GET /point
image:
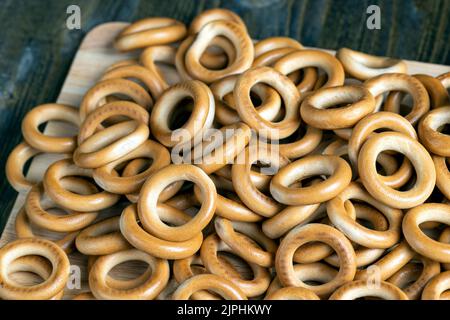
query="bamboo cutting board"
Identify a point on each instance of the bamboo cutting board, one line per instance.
(94, 56)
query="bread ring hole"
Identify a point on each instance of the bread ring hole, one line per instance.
(444, 129)
(181, 113)
(128, 270)
(296, 136)
(70, 129)
(400, 102)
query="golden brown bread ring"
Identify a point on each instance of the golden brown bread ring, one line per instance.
(108, 178)
(416, 154)
(363, 66)
(163, 249)
(247, 241)
(220, 285)
(247, 112)
(315, 232)
(412, 279)
(145, 291)
(226, 110)
(235, 34)
(97, 148)
(149, 32)
(189, 267)
(435, 289)
(147, 204)
(256, 286)
(358, 102)
(313, 58)
(214, 14)
(358, 233)
(52, 286)
(389, 264)
(359, 289)
(437, 92)
(201, 117)
(102, 89)
(336, 169)
(70, 200)
(421, 243)
(366, 128)
(15, 164)
(146, 76)
(37, 204)
(243, 185)
(401, 82)
(435, 141)
(102, 238)
(42, 114)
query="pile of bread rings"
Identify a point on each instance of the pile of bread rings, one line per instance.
(356, 206)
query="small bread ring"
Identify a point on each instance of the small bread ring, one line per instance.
(359, 288)
(435, 289)
(209, 254)
(226, 111)
(313, 58)
(37, 203)
(214, 14)
(366, 128)
(302, 145)
(249, 194)
(201, 118)
(315, 232)
(223, 287)
(53, 285)
(247, 112)
(147, 204)
(146, 291)
(163, 249)
(389, 264)
(226, 144)
(102, 89)
(355, 231)
(338, 170)
(108, 178)
(401, 82)
(70, 200)
(42, 114)
(15, 164)
(438, 94)
(150, 32)
(149, 78)
(102, 238)
(232, 31)
(189, 267)
(245, 239)
(358, 101)
(412, 280)
(416, 154)
(421, 243)
(363, 66)
(435, 141)
(98, 148)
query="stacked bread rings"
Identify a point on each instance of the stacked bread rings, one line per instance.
(263, 172)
